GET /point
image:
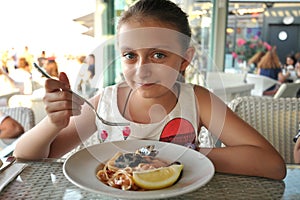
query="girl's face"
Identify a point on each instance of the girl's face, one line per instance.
(289, 61)
(152, 56)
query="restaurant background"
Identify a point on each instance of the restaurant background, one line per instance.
(88, 27)
(217, 25)
(68, 31)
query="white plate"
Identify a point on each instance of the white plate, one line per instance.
(80, 168)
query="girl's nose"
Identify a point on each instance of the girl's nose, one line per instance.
(143, 68)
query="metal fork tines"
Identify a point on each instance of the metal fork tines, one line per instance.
(86, 101)
(97, 115)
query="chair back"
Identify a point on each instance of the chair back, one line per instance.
(261, 83)
(276, 119)
(23, 115)
(288, 90)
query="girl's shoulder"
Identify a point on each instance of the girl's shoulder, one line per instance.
(203, 95)
(198, 89)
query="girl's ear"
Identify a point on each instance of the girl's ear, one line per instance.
(188, 56)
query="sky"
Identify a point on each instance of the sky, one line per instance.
(45, 25)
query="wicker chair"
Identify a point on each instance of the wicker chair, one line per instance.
(276, 119)
(23, 115)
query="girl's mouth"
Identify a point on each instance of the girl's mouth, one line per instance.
(145, 84)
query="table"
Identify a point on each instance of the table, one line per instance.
(261, 83)
(228, 86)
(230, 92)
(45, 180)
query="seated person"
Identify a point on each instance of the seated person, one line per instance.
(254, 60)
(289, 67)
(297, 148)
(297, 67)
(9, 128)
(270, 66)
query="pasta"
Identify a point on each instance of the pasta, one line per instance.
(118, 171)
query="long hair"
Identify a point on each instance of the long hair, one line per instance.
(270, 60)
(256, 58)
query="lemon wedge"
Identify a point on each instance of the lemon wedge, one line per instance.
(157, 178)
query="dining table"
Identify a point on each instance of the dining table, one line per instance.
(44, 179)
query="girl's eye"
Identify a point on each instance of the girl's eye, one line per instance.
(129, 56)
(159, 56)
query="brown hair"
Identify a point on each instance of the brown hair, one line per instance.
(52, 68)
(22, 63)
(256, 58)
(162, 10)
(270, 60)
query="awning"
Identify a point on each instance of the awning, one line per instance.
(87, 21)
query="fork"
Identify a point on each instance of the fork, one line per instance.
(85, 100)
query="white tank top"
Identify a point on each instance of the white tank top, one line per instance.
(179, 126)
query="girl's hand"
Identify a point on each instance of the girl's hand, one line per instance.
(60, 104)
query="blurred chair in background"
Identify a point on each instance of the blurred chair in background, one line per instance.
(34, 102)
(23, 115)
(288, 90)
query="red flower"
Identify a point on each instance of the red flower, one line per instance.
(234, 55)
(245, 49)
(241, 42)
(268, 47)
(252, 46)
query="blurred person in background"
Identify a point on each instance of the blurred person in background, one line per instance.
(270, 66)
(297, 55)
(42, 60)
(4, 59)
(52, 68)
(290, 68)
(297, 68)
(290, 61)
(86, 85)
(9, 128)
(22, 76)
(254, 60)
(80, 79)
(297, 148)
(72, 67)
(28, 56)
(91, 67)
(6, 83)
(86, 74)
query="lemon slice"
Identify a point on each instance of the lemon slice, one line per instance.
(157, 178)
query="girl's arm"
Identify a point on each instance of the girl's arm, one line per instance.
(247, 152)
(64, 127)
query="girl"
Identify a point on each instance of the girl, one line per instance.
(153, 39)
(270, 66)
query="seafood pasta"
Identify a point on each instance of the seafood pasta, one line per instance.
(118, 171)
